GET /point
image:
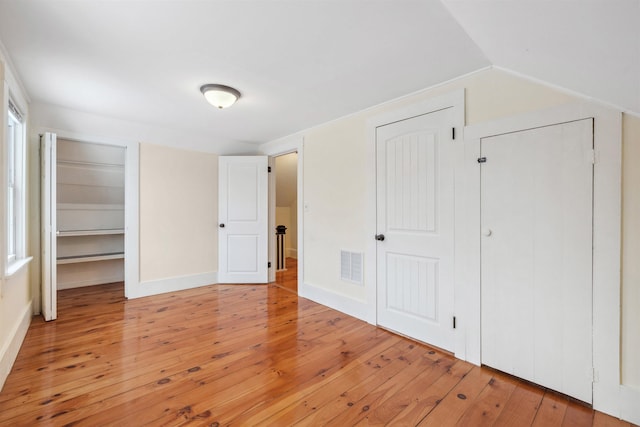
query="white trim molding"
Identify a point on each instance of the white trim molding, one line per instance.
(173, 284)
(455, 100)
(132, 203)
(292, 144)
(345, 304)
(606, 238)
(9, 353)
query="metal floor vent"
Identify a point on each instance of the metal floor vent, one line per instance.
(351, 266)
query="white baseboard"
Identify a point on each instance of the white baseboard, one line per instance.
(172, 284)
(345, 304)
(10, 350)
(630, 404)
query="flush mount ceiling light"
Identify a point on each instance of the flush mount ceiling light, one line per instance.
(220, 96)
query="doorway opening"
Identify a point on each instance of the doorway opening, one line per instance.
(285, 218)
(86, 229)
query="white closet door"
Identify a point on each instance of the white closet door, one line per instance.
(415, 214)
(536, 255)
(242, 218)
(48, 226)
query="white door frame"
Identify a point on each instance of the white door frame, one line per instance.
(48, 244)
(455, 100)
(275, 149)
(131, 213)
(606, 239)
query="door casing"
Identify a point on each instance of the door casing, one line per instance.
(131, 220)
(290, 145)
(453, 100)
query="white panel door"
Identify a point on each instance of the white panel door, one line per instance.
(415, 195)
(536, 255)
(242, 218)
(48, 227)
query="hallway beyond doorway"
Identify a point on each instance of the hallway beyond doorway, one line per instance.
(288, 278)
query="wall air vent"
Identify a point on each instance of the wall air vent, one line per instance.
(351, 266)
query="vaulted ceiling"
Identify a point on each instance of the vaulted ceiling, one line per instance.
(299, 63)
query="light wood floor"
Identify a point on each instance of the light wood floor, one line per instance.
(288, 278)
(251, 355)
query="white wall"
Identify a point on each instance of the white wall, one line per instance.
(15, 290)
(630, 251)
(178, 213)
(336, 174)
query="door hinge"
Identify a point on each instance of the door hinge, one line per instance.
(453, 133)
(269, 169)
(454, 322)
(269, 264)
(591, 156)
(482, 160)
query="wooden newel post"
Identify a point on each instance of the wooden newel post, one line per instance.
(280, 232)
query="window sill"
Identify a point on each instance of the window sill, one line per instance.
(16, 266)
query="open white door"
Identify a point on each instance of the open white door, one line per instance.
(48, 226)
(243, 219)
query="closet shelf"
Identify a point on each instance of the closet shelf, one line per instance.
(90, 258)
(89, 207)
(103, 232)
(86, 164)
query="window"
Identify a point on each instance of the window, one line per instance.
(15, 188)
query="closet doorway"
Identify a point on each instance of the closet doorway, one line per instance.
(85, 227)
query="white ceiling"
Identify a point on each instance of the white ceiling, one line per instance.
(588, 46)
(300, 63)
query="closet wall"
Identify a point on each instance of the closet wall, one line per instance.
(90, 214)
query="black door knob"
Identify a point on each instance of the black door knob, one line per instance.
(221, 225)
(380, 237)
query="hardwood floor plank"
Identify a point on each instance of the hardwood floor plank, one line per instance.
(166, 348)
(223, 355)
(604, 420)
(490, 402)
(456, 401)
(577, 415)
(409, 394)
(283, 376)
(250, 355)
(551, 411)
(300, 403)
(522, 406)
(376, 396)
(288, 279)
(228, 378)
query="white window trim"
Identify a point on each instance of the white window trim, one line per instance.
(18, 260)
(17, 266)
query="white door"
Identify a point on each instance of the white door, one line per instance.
(48, 226)
(536, 255)
(415, 195)
(243, 219)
